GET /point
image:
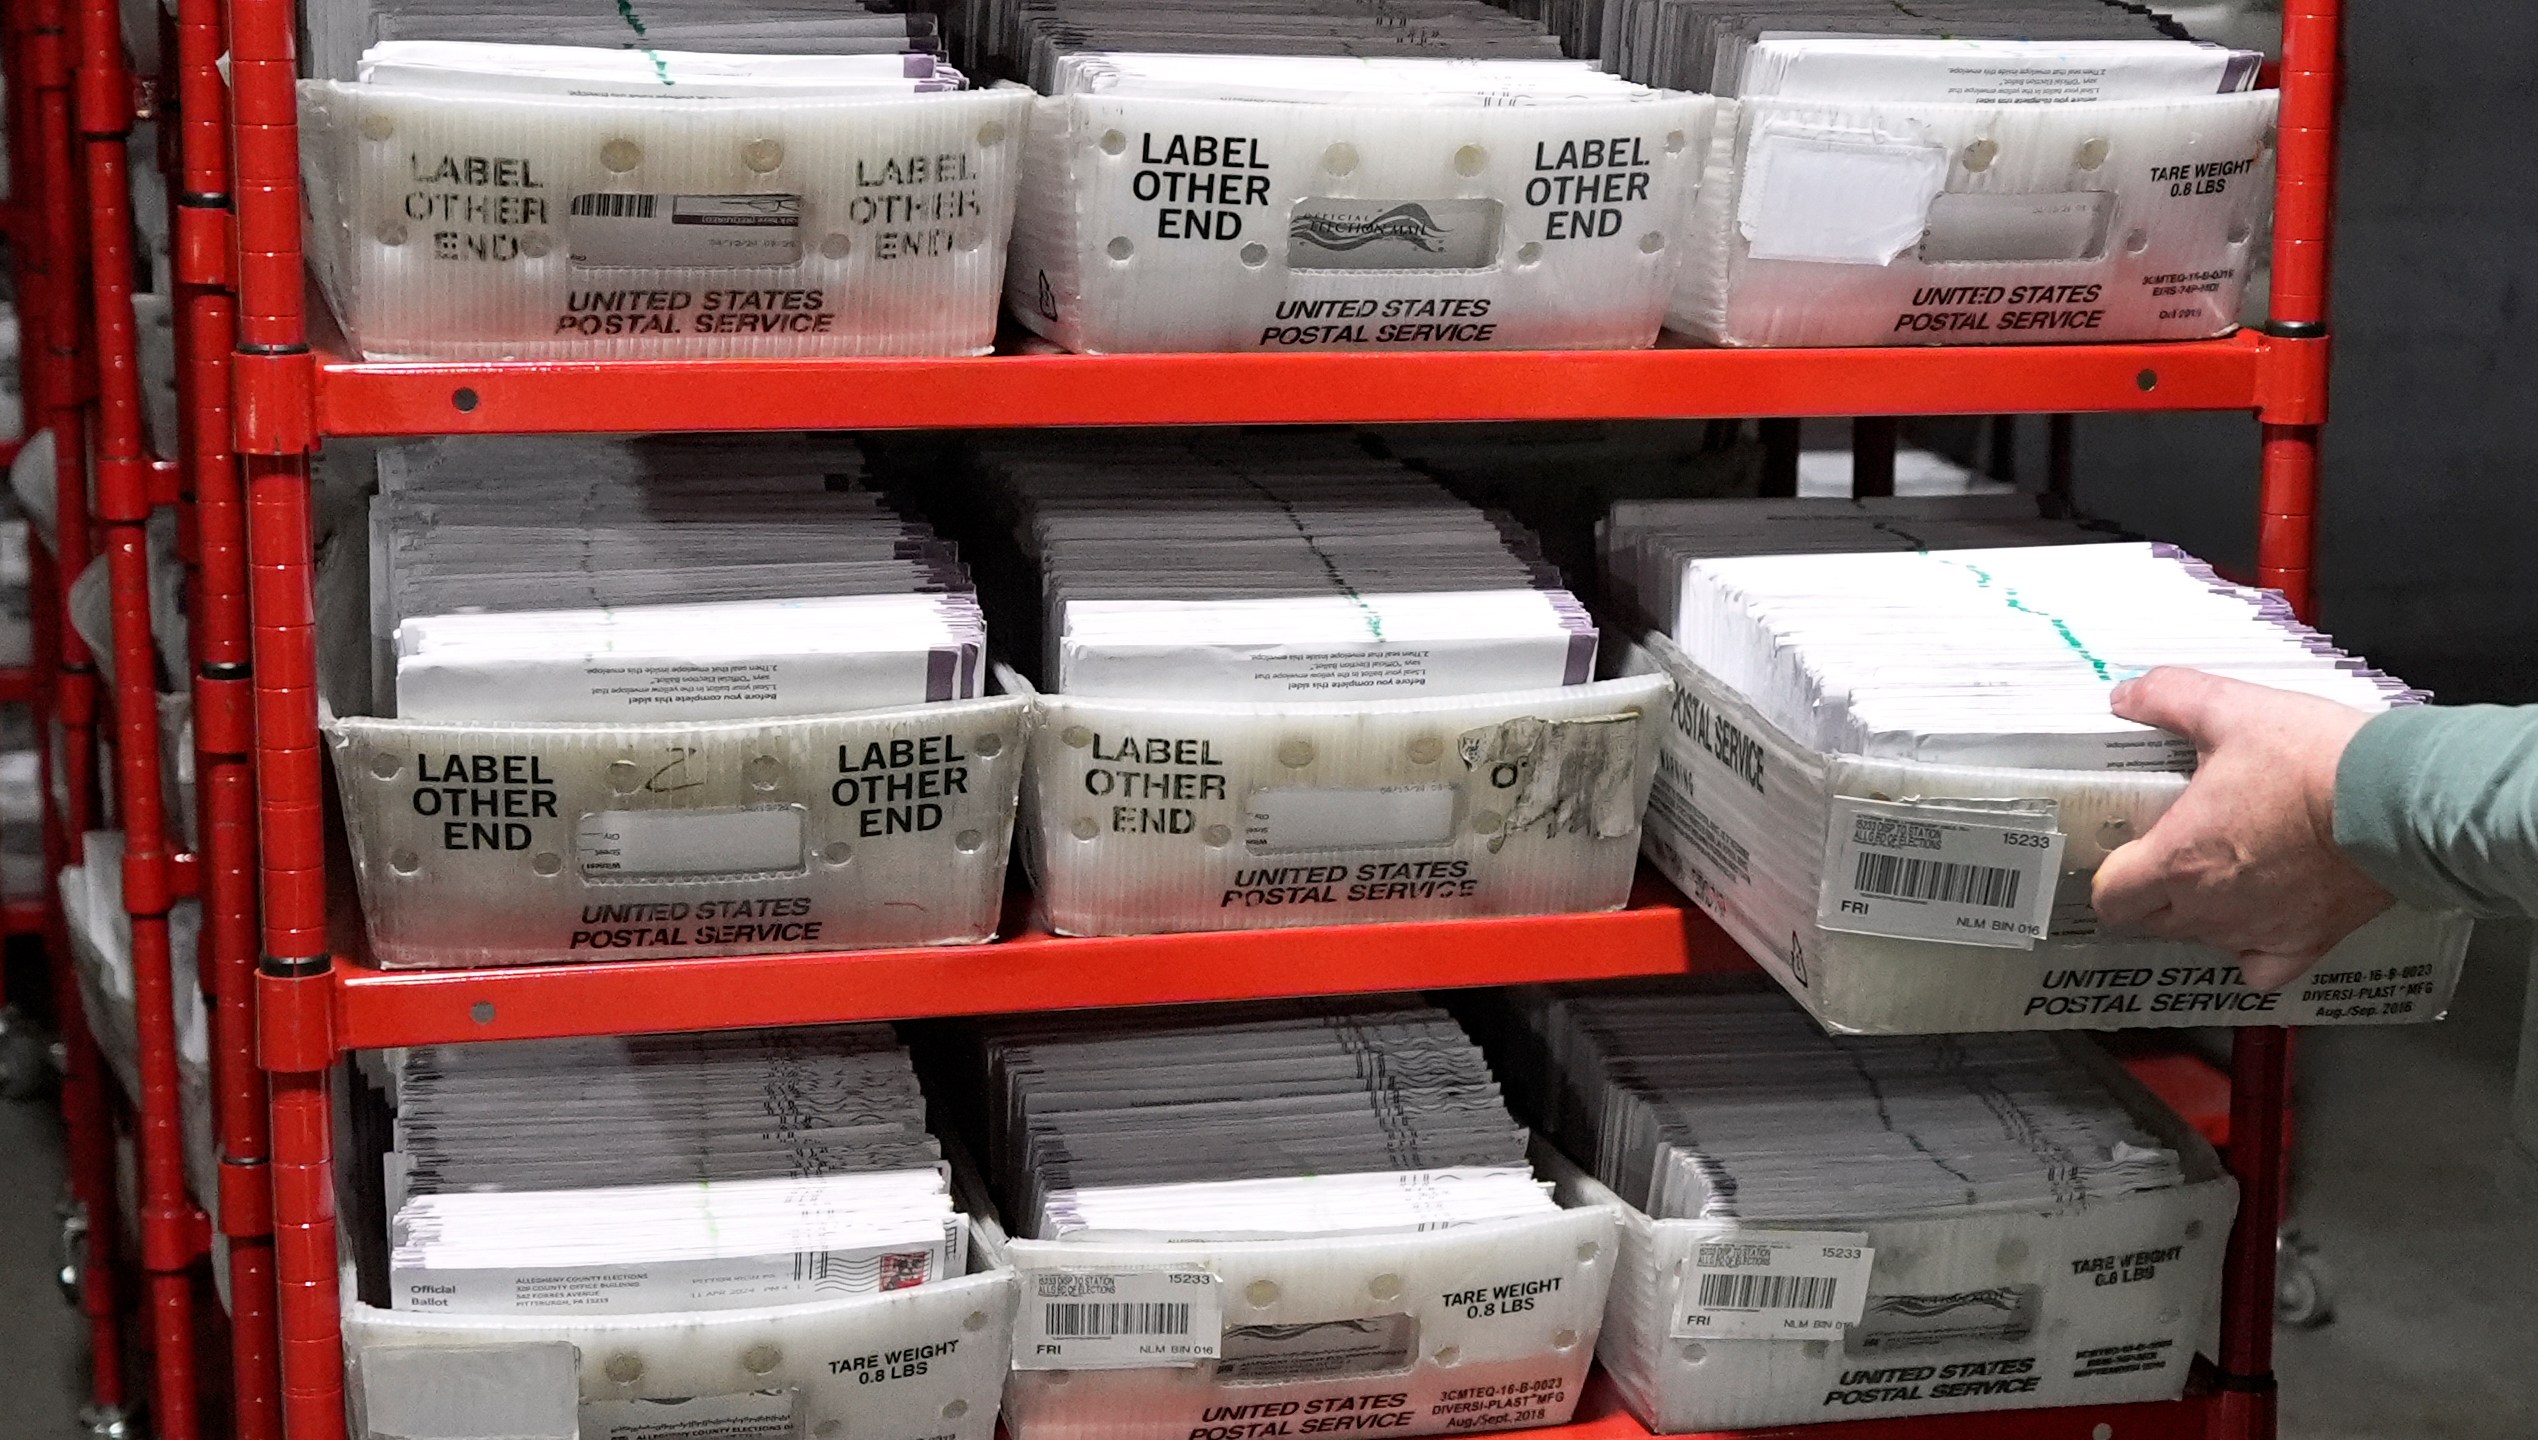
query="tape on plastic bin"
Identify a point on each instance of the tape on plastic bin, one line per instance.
(1144, 816)
(488, 845)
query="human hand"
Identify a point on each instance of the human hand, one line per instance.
(2246, 859)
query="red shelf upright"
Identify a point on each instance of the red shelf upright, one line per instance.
(47, 244)
(312, 1008)
(203, 265)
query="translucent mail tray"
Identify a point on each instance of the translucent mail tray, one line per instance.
(478, 226)
(919, 1364)
(101, 953)
(1142, 816)
(1742, 819)
(1920, 222)
(2106, 1303)
(1483, 1327)
(1166, 224)
(509, 844)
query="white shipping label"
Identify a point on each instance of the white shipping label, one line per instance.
(682, 844)
(1772, 1284)
(1837, 196)
(749, 1415)
(1118, 1319)
(609, 229)
(1299, 818)
(1961, 873)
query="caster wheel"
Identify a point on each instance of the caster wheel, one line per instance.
(107, 1422)
(2302, 1298)
(74, 1255)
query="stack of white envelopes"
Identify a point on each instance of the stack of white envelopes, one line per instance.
(1818, 49)
(658, 581)
(1999, 657)
(1644, 545)
(664, 1174)
(1211, 571)
(1738, 1107)
(1272, 1123)
(339, 34)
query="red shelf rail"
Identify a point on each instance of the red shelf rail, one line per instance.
(313, 1007)
(354, 397)
(362, 1008)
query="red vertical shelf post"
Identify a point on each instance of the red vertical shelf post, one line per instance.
(272, 377)
(56, 386)
(203, 241)
(2292, 386)
(171, 1230)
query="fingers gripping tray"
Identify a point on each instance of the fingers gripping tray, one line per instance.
(1777, 842)
(925, 1363)
(1143, 816)
(501, 844)
(1483, 1327)
(1904, 223)
(488, 227)
(2096, 1304)
(1161, 224)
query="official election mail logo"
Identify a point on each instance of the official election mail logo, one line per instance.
(1409, 224)
(1336, 234)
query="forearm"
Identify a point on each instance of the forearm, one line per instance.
(2440, 805)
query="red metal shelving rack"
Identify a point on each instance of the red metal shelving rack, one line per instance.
(312, 1006)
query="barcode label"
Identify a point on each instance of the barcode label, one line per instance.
(1993, 887)
(613, 229)
(1745, 1284)
(1767, 1292)
(617, 206)
(1964, 872)
(1075, 1318)
(1090, 1319)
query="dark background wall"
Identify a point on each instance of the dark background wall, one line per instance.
(2429, 545)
